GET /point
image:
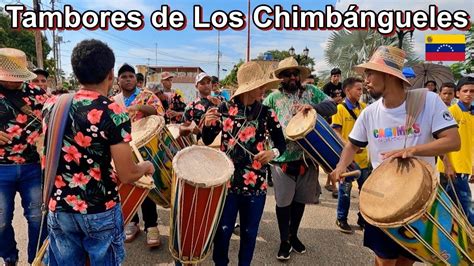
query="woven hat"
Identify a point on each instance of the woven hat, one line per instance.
(166, 75)
(386, 59)
(291, 63)
(14, 66)
(251, 76)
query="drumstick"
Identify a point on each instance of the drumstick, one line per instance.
(351, 173)
(139, 158)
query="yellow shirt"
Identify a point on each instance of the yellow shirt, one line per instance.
(343, 120)
(462, 159)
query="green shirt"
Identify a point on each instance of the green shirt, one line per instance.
(283, 104)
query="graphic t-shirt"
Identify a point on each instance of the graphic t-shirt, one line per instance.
(383, 129)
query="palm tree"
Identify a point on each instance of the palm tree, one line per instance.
(346, 49)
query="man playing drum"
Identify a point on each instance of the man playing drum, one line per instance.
(381, 127)
(295, 178)
(244, 123)
(139, 103)
(85, 216)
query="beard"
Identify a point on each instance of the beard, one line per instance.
(375, 95)
(291, 86)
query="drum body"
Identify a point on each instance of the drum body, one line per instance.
(182, 142)
(156, 145)
(133, 195)
(202, 175)
(405, 200)
(317, 138)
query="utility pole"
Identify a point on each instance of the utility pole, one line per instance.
(249, 24)
(55, 53)
(156, 54)
(38, 38)
(218, 53)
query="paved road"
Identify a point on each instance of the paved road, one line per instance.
(325, 244)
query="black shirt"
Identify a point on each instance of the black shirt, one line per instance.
(332, 90)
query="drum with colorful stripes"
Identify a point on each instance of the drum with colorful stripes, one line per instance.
(202, 175)
(317, 138)
(403, 198)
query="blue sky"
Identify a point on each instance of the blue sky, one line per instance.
(199, 48)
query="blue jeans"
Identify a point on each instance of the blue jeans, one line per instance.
(344, 199)
(25, 179)
(72, 236)
(461, 186)
(250, 209)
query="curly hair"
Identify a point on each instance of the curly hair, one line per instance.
(91, 61)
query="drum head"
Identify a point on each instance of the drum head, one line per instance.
(147, 128)
(300, 125)
(203, 166)
(398, 191)
(174, 130)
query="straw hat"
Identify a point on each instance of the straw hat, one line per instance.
(14, 66)
(251, 76)
(291, 63)
(386, 59)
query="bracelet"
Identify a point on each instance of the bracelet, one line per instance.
(276, 152)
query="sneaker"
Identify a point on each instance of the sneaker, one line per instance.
(344, 227)
(335, 195)
(153, 237)
(285, 250)
(297, 245)
(328, 188)
(131, 232)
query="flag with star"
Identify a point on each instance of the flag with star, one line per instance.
(445, 47)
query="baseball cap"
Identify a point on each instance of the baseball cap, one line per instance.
(166, 75)
(126, 68)
(200, 77)
(335, 71)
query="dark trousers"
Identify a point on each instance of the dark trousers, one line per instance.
(150, 215)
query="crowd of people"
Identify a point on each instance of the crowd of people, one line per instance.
(84, 216)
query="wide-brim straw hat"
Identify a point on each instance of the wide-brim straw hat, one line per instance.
(14, 66)
(291, 63)
(251, 76)
(386, 59)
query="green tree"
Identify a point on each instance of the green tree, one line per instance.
(346, 49)
(469, 62)
(457, 69)
(279, 55)
(231, 79)
(20, 39)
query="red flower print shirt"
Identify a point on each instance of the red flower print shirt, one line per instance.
(24, 129)
(245, 130)
(85, 181)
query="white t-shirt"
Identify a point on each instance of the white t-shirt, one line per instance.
(383, 129)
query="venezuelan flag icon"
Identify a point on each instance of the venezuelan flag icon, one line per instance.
(445, 47)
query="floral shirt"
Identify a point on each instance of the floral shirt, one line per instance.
(24, 129)
(196, 109)
(146, 97)
(175, 103)
(85, 181)
(284, 105)
(246, 127)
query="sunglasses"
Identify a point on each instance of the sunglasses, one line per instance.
(288, 74)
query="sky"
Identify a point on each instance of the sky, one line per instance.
(190, 47)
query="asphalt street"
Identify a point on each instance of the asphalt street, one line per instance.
(325, 244)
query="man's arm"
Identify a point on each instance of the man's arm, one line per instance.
(127, 170)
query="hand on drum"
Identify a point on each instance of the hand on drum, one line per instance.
(265, 157)
(4, 138)
(211, 116)
(305, 108)
(148, 166)
(402, 153)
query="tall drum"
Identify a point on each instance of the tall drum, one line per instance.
(403, 198)
(201, 178)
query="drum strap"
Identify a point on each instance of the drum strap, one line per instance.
(414, 105)
(56, 127)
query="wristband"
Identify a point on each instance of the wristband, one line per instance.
(276, 152)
